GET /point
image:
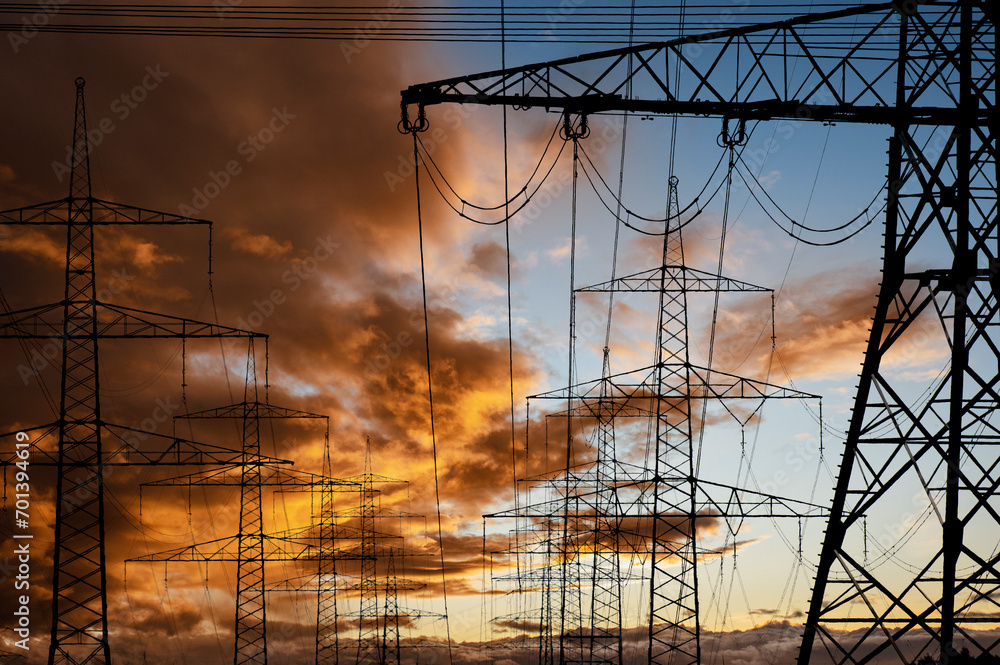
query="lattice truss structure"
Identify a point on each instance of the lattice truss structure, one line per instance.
(618, 523)
(87, 443)
(337, 541)
(926, 72)
(251, 547)
(367, 541)
(358, 550)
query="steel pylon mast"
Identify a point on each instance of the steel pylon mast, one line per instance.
(647, 515)
(251, 624)
(251, 547)
(927, 72)
(674, 622)
(79, 578)
(87, 443)
(942, 444)
(377, 586)
(326, 574)
(378, 628)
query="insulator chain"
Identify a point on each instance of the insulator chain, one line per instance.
(407, 127)
(727, 140)
(570, 132)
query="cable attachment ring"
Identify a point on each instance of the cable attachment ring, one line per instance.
(407, 127)
(727, 140)
(570, 132)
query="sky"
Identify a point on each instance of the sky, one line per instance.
(290, 148)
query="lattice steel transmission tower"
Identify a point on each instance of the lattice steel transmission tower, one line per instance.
(378, 641)
(613, 510)
(87, 443)
(252, 547)
(926, 71)
(352, 538)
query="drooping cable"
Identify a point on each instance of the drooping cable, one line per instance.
(625, 222)
(715, 308)
(507, 198)
(430, 396)
(812, 191)
(800, 225)
(510, 308)
(631, 213)
(606, 362)
(791, 233)
(460, 211)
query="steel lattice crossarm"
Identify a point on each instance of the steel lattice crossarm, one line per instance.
(264, 410)
(270, 476)
(743, 72)
(600, 405)
(111, 322)
(585, 475)
(340, 532)
(313, 547)
(349, 583)
(175, 451)
(709, 383)
(927, 72)
(674, 278)
(529, 616)
(382, 512)
(103, 213)
(542, 575)
(721, 501)
(227, 549)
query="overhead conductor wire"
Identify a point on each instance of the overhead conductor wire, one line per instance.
(715, 308)
(510, 309)
(569, 391)
(606, 361)
(606, 369)
(430, 395)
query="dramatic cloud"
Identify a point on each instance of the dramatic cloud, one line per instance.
(329, 273)
(290, 148)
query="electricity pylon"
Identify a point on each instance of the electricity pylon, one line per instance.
(927, 72)
(251, 547)
(647, 514)
(87, 443)
(352, 535)
(378, 628)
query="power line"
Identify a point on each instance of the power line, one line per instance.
(609, 23)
